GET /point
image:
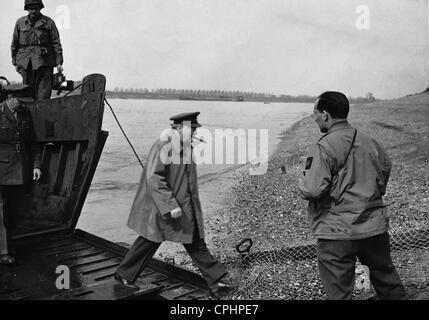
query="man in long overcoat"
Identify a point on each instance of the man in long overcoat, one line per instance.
(19, 153)
(167, 208)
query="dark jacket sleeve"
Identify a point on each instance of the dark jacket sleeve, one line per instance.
(15, 43)
(156, 175)
(318, 178)
(56, 44)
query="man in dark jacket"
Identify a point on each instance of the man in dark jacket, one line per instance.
(345, 180)
(36, 49)
(19, 153)
(167, 208)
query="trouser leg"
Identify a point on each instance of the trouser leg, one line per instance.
(374, 252)
(43, 83)
(337, 260)
(137, 259)
(29, 78)
(211, 269)
(3, 232)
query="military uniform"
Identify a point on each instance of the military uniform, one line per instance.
(163, 188)
(19, 153)
(37, 49)
(345, 180)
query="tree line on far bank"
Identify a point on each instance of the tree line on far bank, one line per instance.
(217, 95)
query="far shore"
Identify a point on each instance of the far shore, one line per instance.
(266, 99)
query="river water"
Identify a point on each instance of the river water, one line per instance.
(118, 173)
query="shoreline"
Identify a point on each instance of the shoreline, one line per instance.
(246, 191)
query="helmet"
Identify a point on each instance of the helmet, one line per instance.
(33, 2)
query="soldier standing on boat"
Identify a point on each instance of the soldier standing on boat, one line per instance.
(36, 49)
(19, 153)
(167, 208)
(345, 180)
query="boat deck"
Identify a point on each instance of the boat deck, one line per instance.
(92, 262)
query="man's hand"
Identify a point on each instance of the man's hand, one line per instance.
(176, 213)
(60, 68)
(37, 174)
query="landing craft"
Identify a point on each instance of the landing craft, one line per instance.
(45, 239)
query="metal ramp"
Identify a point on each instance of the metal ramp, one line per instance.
(92, 262)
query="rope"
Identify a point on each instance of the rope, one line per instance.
(117, 121)
(123, 132)
(74, 89)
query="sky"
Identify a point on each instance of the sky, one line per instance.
(277, 46)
